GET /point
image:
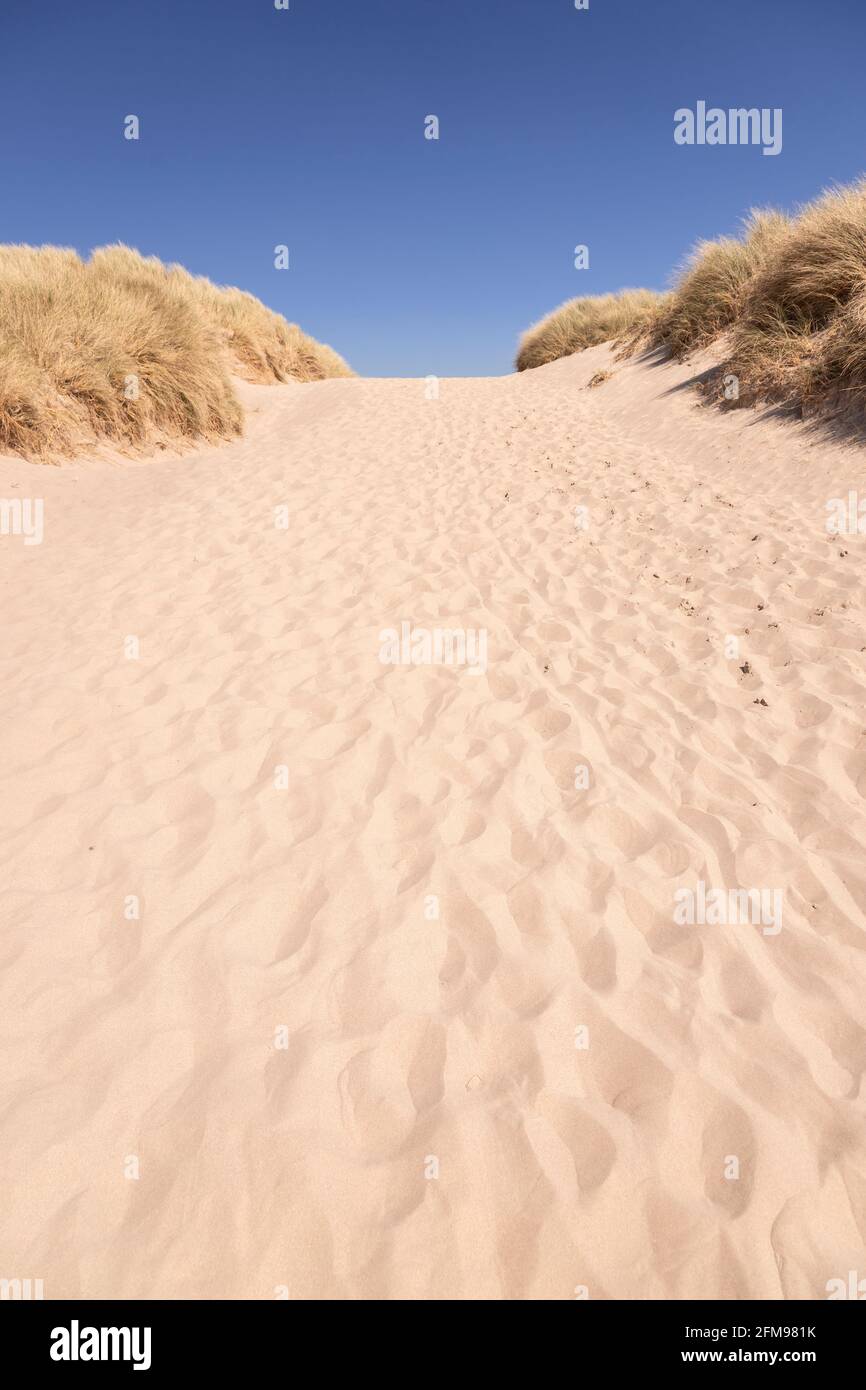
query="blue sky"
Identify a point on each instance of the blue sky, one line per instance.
(306, 127)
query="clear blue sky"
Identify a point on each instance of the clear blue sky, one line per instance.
(306, 127)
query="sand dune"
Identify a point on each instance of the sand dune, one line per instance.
(278, 1071)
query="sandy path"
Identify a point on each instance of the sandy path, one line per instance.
(154, 1043)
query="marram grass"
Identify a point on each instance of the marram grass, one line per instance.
(785, 300)
(123, 348)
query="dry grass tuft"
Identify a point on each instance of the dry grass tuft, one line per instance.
(799, 338)
(788, 296)
(581, 323)
(124, 348)
(708, 296)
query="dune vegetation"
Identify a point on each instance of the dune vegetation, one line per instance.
(123, 348)
(582, 323)
(800, 337)
(709, 292)
(784, 302)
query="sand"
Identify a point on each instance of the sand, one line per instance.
(243, 1055)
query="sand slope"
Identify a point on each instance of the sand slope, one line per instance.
(302, 1168)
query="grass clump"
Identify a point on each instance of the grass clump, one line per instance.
(123, 348)
(708, 296)
(799, 337)
(582, 323)
(787, 297)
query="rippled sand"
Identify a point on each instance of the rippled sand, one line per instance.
(243, 1055)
